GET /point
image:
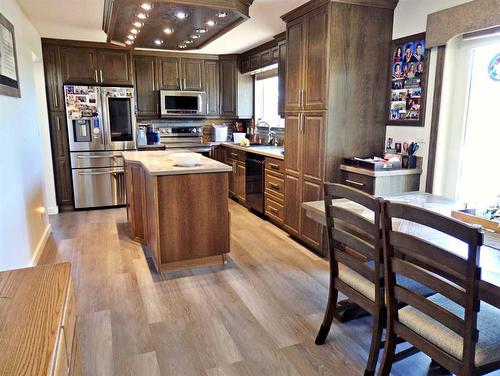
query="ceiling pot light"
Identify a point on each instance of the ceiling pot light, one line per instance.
(158, 42)
(194, 36)
(211, 23)
(181, 15)
(147, 6)
(201, 30)
(168, 30)
(221, 14)
(138, 24)
(142, 16)
(131, 37)
(189, 41)
(182, 45)
(129, 42)
(134, 31)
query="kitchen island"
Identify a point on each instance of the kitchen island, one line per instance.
(181, 214)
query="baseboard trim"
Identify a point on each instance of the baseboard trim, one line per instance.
(53, 210)
(41, 245)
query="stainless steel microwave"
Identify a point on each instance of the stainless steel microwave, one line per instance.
(186, 103)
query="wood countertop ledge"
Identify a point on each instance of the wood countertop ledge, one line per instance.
(31, 305)
(159, 163)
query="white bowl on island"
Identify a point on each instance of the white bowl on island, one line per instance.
(186, 159)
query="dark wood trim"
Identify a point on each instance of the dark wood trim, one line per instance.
(265, 46)
(158, 53)
(84, 44)
(228, 28)
(436, 112)
(280, 37)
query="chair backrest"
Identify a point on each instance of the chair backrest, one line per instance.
(354, 239)
(434, 266)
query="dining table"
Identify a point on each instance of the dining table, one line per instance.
(489, 287)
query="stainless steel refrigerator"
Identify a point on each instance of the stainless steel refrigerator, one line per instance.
(101, 124)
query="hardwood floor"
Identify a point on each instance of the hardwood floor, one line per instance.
(258, 315)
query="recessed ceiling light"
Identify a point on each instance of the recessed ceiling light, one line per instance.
(221, 14)
(188, 41)
(201, 30)
(194, 36)
(147, 6)
(168, 30)
(182, 45)
(134, 31)
(129, 42)
(142, 16)
(138, 24)
(181, 15)
(158, 42)
(211, 22)
(131, 37)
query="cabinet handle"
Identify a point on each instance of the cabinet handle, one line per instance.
(56, 100)
(273, 209)
(274, 186)
(96, 76)
(354, 183)
(102, 79)
(300, 96)
(274, 166)
(184, 80)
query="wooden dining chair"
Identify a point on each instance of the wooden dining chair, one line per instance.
(452, 326)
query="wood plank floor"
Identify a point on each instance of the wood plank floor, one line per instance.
(258, 315)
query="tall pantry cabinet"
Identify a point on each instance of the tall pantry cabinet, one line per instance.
(335, 102)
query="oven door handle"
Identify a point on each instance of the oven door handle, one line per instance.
(101, 173)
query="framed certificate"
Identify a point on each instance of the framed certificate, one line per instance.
(9, 74)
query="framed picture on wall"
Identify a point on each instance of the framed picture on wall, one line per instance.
(408, 65)
(9, 74)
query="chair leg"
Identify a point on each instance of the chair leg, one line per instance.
(329, 314)
(389, 352)
(378, 327)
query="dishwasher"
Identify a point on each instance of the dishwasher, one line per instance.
(254, 182)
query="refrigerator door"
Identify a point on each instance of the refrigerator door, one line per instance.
(96, 187)
(84, 120)
(119, 117)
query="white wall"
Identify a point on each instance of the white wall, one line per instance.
(410, 18)
(24, 225)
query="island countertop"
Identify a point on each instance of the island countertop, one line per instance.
(159, 163)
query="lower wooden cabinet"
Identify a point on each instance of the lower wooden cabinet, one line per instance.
(61, 158)
(292, 204)
(310, 231)
(136, 202)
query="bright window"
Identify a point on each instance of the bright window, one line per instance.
(479, 179)
(266, 101)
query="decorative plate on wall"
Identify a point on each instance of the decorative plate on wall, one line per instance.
(494, 68)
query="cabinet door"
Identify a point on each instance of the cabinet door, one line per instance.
(292, 204)
(192, 72)
(292, 143)
(232, 176)
(315, 80)
(79, 65)
(170, 73)
(281, 79)
(228, 82)
(60, 158)
(136, 202)
(212, 87)
(313, 146)
(310, 231)
(240, 188)
(265, 58)
(147, 96)
(114, 67)
(295, 65)
(53, 79)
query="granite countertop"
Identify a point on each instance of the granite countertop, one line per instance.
(265, 150)
(159, 163)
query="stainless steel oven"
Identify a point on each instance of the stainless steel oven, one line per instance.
(182, 103)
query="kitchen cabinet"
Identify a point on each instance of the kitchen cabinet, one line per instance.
(53, 78)
(192, 71)
(325, 119)
(237, 179)
(170, 73)
(281, 77)
(260, 57)
(146, 88)
(274, 191)
(60, 158)
(90, 66)
(212, 86)
(236, 89)
(240, 182)
(136, 202)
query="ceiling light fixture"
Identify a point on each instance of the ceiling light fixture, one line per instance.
(221, 14)
(129, 42)
(138, 24)
(147, 6)
(158, 42)
(168, 30)
(182, 45)
(211, 23)
(201, 30)
(134, 31)
(142, 16)
(131, 37)
(181, 15)
(194, 36)
(188, 41)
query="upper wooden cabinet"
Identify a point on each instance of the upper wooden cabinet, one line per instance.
(236, 89)
(90, 66)
(192, 72)
(212, 87)
(295, 65)
(146, 87)
(281, 77)
(53, 79)
(259, 57)
(170, 73)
